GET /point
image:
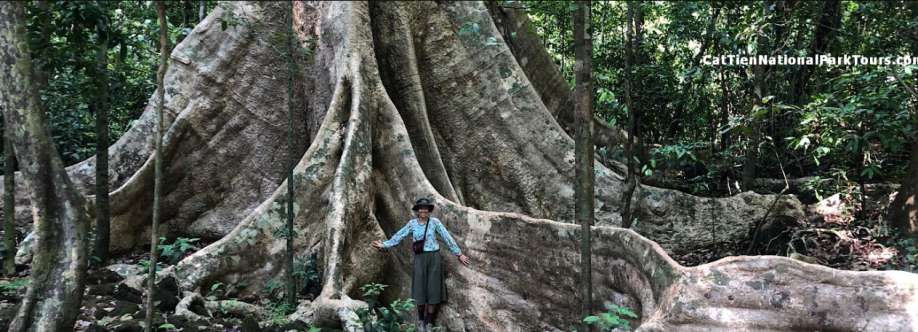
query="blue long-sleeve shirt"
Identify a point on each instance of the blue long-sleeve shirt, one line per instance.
(417, 232)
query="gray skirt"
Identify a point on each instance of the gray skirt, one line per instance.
(427, 285)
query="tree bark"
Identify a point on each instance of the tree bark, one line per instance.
(52, 300)
(583, 146)
(903, 211)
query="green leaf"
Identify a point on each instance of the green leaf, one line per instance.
(591, 320)
(624, 311)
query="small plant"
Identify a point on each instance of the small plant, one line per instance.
(908, 251)
(307, 275)
(278, 311)
(615, 318)
(378, 318)
(145, 265)
(273, 288)
(167, 327)
(177, 250)
(218, 288)
(229, 19)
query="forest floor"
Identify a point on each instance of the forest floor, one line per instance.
(836, 233)
(113, 300)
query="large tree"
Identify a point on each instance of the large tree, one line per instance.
(410, 99)
(61, 220)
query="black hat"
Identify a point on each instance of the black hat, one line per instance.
(422, 202)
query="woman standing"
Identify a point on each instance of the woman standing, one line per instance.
(427, 287)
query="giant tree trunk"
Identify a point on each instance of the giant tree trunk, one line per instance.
(223, 125)
(52, 300)
(407, 99)
(903, 211)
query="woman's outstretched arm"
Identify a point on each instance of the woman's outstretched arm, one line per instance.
(453, 246)
(398, 236)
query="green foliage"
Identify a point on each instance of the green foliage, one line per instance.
(469, 29)
(907, 248)
(278, 311)
(64, 38)
(306, 272)
(854, 118)
(229, 19)
(167, 327)
(379, 318)
(616, 317)
(12, 287)
(176, 250)
(215, 291)
(145, 265)
(273, 288)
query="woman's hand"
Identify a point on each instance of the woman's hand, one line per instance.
(378, 244)
(464, 260)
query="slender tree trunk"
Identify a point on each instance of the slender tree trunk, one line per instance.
(43, 43)
(291, 162)
(53, 298)
(9, 201)
(158, 169)
(632, 113)
(103, 211)
(637, 86)
(761, 91)
(584, 148)
(825, 29)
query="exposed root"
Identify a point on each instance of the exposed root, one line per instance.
(192, 307)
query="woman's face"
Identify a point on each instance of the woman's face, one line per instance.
(423, 212)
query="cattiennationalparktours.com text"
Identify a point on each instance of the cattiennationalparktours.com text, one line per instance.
(816, 60)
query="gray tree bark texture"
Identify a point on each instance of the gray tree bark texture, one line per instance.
(409, 99)
(61, 218)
